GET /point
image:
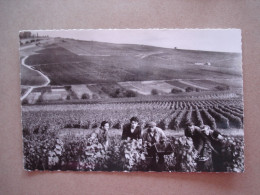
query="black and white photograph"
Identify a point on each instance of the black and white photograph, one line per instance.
(163, 100)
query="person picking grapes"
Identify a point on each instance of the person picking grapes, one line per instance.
(153, 135)
(132, 130)
(215, 142)
(102, 134)
(194, 132)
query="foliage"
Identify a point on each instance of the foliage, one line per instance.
(185, 155)
(222, 88)
(168, 115)
(234, 121)
(154, 92)
(233, 154)
(25, 101)
(85, 96)
(189, 89)
(41, 152)
(134, 155)
(45, 149)
(211, 121)
(223, 122)
(83, 153)
(176, 90)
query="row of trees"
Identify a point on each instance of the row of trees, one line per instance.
(193, 89)
(28, 34)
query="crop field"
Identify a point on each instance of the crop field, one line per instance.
(85, 62)
(232, 83)
(87, 82)
(212, 84)
(178, 84)
(145, 87)
(141, 88)
(209, 84)
(218, 114)
(57, 137)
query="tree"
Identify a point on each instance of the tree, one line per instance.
(130, 93)
(154, 92)
(222, 88)
(176, 90)
(25, 34)
(67, 87)
(25, 101)
(189, 89)
(85, 96)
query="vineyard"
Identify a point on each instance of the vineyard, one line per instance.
(49, 152)
(218, 114)
(94, 81)
(45, 148)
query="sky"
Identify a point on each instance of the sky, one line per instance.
(224, 40)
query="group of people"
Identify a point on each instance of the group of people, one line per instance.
(152, 134)
(208, 143)
(204, 139)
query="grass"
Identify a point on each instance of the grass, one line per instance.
(85, 62)
(31, 77)
(178, 84)
(210, 84)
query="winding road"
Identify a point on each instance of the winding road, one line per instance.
(37, 86)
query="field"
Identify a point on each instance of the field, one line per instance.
(119, 70)
(87, 82)
(62, 131)
(220, 114)
(83, 62)
(31, 77)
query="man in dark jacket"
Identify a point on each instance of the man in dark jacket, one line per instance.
(196, 135)
(132, 130)
(216, 140)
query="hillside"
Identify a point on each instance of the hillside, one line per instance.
(67, 62)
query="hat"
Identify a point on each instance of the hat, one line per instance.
(151, 124)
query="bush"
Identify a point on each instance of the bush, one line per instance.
(163, 124)
(121, 93)
(185, 155)
(67, 87)
(222, 88)
(25, 101)
(176, 91)
(130, 93)
(48, 151)
(85, 96)
(189, 89)
(154, 92)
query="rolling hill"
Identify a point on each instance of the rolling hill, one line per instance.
(68, 61)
